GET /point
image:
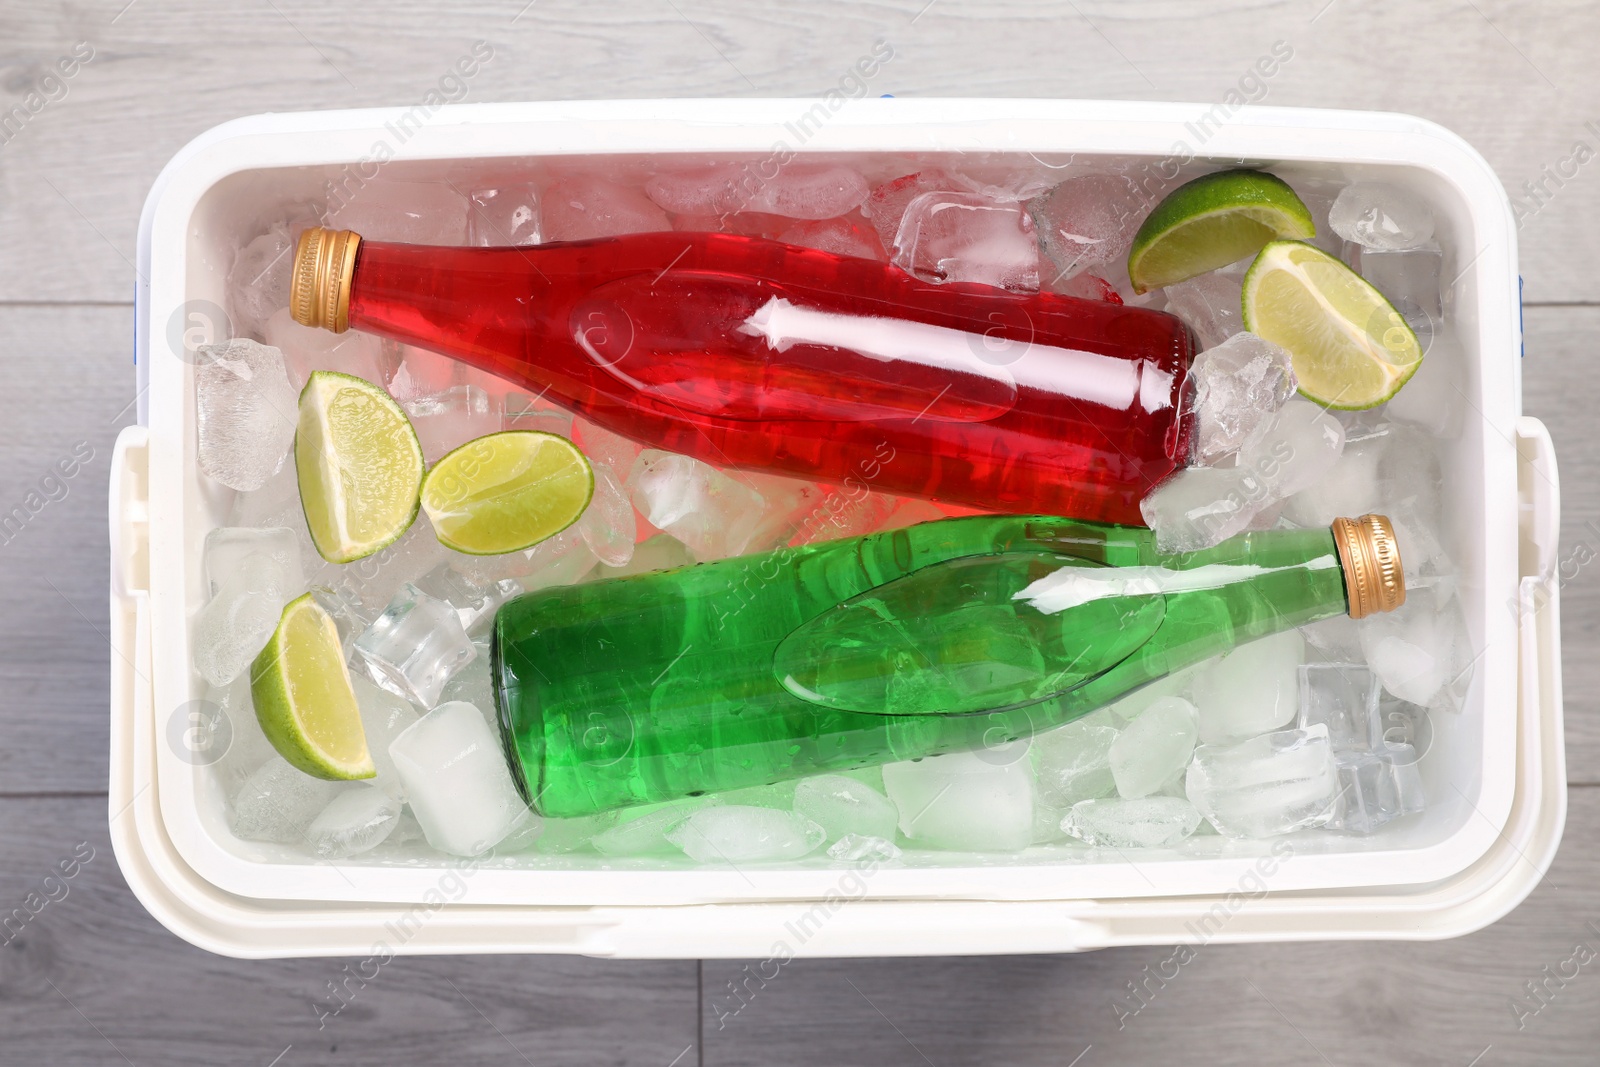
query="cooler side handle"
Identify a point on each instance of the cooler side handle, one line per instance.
(130, 513)
(1538, 500)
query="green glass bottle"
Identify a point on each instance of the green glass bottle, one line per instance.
(948, 635)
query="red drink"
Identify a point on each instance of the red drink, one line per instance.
(750, 353)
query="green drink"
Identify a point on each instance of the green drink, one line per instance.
(949, 635)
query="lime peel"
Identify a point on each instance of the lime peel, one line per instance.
(507, 491)
(1212, 221)
(359, 466)
(1351, 349)
(303, 698)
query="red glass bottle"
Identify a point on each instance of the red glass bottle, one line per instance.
(751, 353)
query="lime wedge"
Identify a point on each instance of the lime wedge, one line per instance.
(1351, 349)
(304, 702)
(507, 491)
(359, 465)
(1211, 222)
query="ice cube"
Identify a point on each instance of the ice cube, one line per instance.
(1336, 638)
(1198, 507)
(505, 215)
(1434, 399)
(245, 411)
(306, 349)
(456, 780)
(474, 685)
(778, 795)
(965, 237)
(1086, 287)
(1143, 822)
(843, 806)
(577, 209)
(796, 191)
(277, 803)
(1154, 748)
(885, 206)
(843, 236)
(604, 447)
(1073, 763)
(562, 836)
(1177, 684)
(1405, 723)
(663, 552)
(1350, 488)
(712, 514)
(236, 623)
(607, 524)
(525, 412)
(247, 748)
(418, 213)
(1250, 689)
(1379, 215)
(1344, 698)
(446, 421)
(643, 831)
(1210, 304)
(1265, 786)
(227, 547)
(1413, 281)
(854, 848)
(275, 503)
(258, 281)
(384, 717)
(474, 597)
(910, 512)
(422, 372)
(1376, 787)
(843, 514)
(704, 191)
(1239, 384)
(738, 833)
(964, 800)
(810, 191)
(558, 560)
(415, 646)
(369, 585)
(1088, 221)
(1419, 651)
(525, 833)
(788, 503)
(358, 819)
(350, 616)
(1293, 449)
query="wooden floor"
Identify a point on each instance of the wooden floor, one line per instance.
(95, 980)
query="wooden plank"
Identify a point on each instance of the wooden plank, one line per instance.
(92, 978)
(1558, 375)
(69, 378)
(1425, 1002)
(1513, 81)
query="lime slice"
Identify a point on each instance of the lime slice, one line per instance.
(359, 465)
(1211, 222)
(304, 702)
(1351, 349)
(507, 491)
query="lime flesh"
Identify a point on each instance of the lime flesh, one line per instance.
(359, 466)
(507, 491)
(303, 697)
(1213, 221)
(1351, 349)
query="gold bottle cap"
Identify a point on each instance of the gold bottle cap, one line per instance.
(1373, 580)
(319, 284)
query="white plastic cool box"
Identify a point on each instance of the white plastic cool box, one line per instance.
(1494, 773)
